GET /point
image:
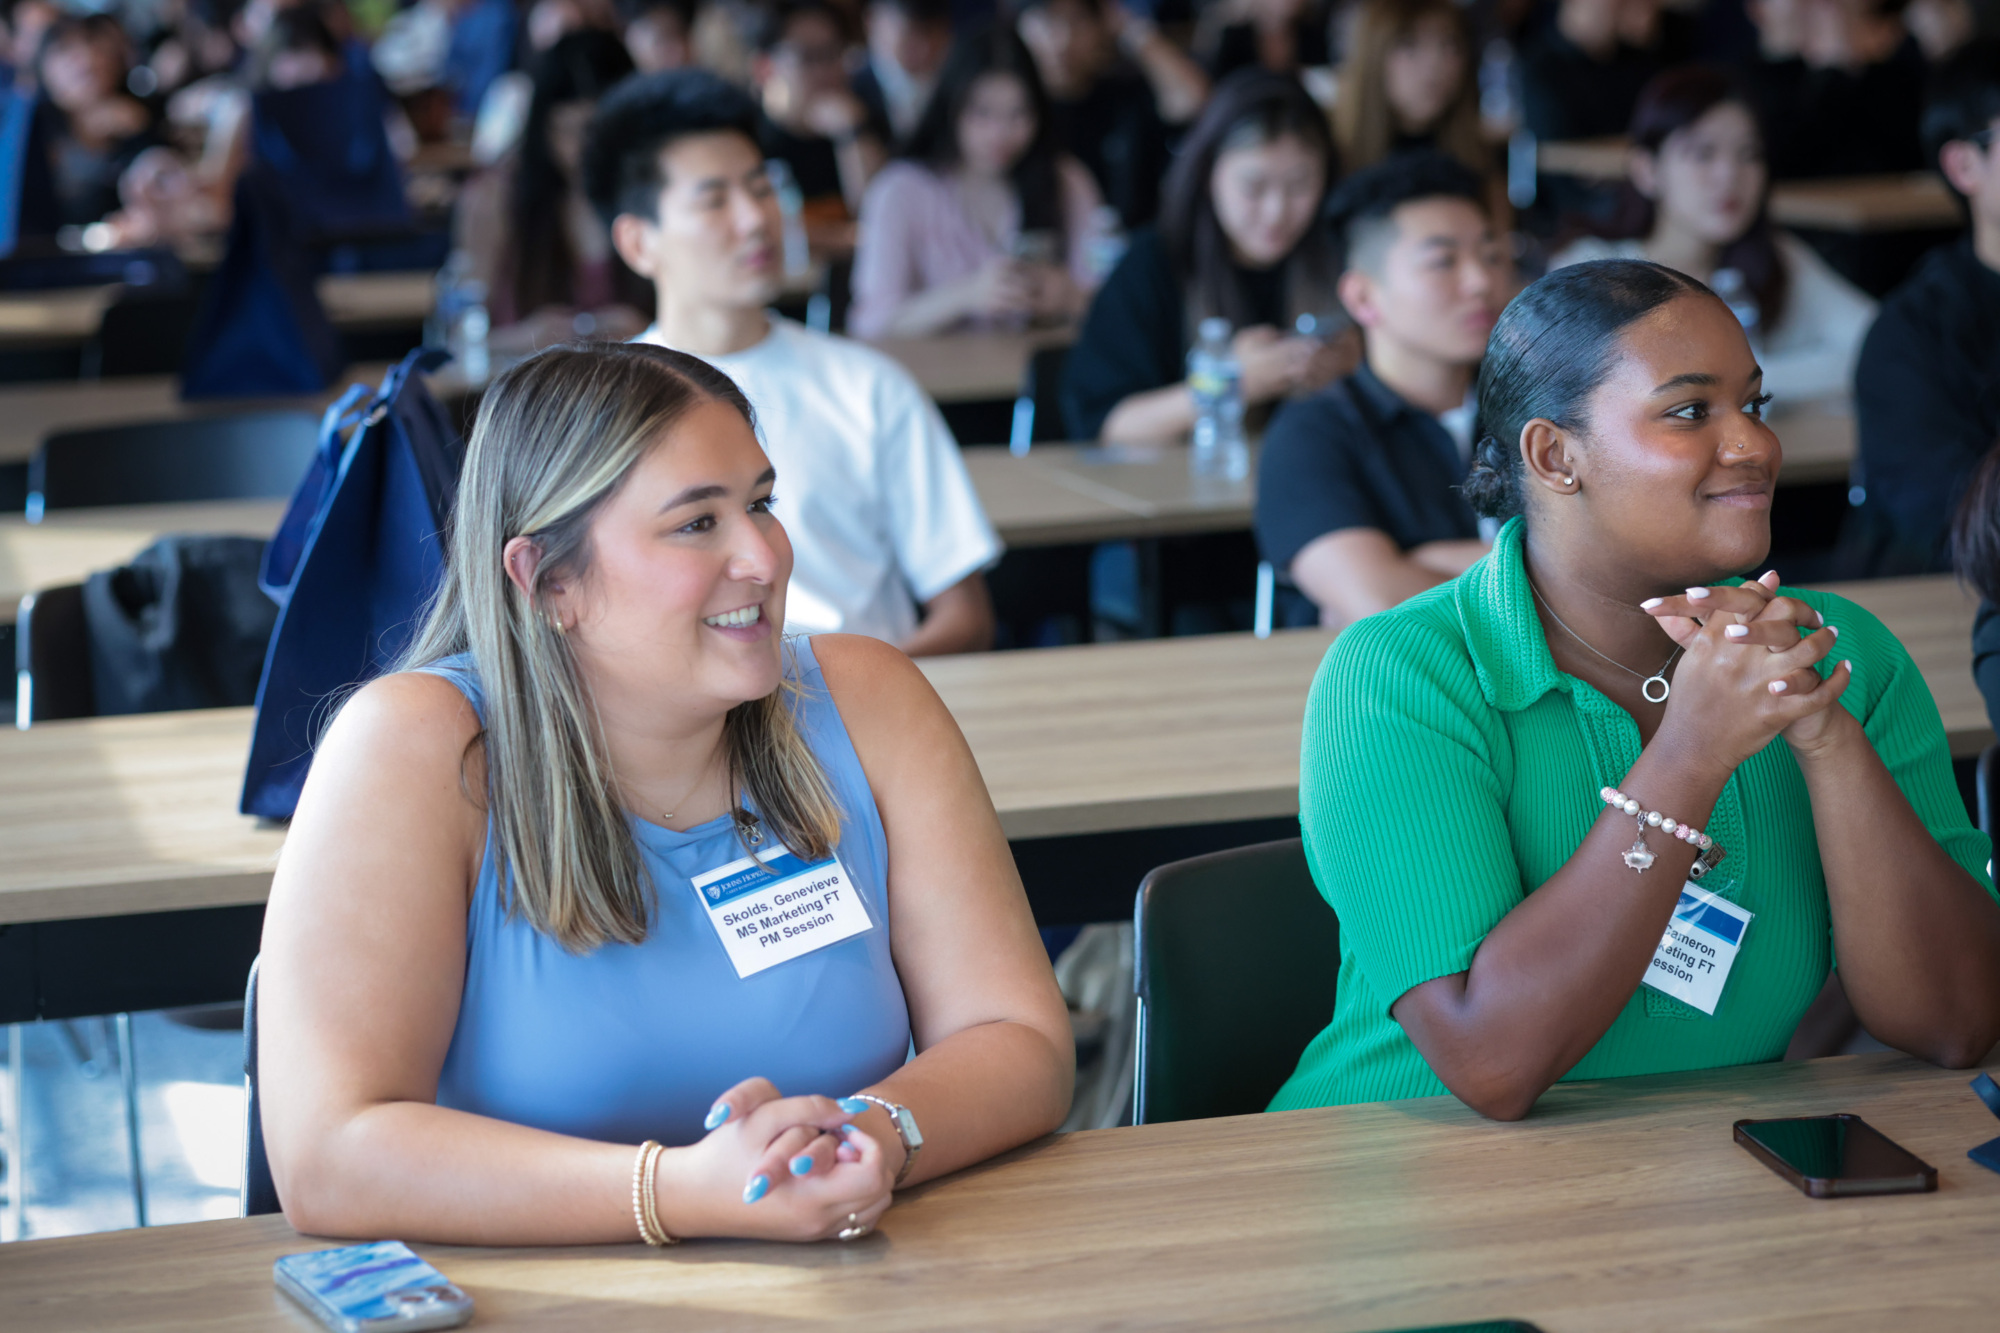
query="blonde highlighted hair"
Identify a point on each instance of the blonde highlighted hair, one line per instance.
(557, 436)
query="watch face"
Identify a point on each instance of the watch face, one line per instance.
(907, 1123)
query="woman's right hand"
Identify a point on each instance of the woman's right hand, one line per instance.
(774, 1168)
(1745, 674)
(1273, 363)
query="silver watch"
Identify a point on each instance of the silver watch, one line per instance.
(906, 1130)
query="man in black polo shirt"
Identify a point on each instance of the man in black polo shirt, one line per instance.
(1357, 492)
(1927, 386)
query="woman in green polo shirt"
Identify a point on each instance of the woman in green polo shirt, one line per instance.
(1501, 777)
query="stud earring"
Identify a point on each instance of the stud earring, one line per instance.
(555, 623)
(1569, 481)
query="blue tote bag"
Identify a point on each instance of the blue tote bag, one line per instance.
(352, 567)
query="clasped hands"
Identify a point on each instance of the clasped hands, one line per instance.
(1748, 668)
(779, 1168)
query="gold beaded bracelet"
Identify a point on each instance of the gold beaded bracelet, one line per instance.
(644, 1209)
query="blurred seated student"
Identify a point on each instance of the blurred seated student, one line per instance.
(1358, 487)
(980, 219)
(1839, 87)
(1927, 389)
(28, 21)
(908, 43)
(1581, 77)
(1117, 89)
(1696, 202)
(1239, 239)
(1498, 926)
(1409, 81)
(89, 126)
(197, 46)
(529, 228)
(811, 121)
(1283, 36)
(890, 536)
(491, 980)
(659, 34)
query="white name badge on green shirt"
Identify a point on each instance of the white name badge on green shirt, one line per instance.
(1693, 961)
(773, 907)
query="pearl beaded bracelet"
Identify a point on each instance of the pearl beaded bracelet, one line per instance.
(1640, 857)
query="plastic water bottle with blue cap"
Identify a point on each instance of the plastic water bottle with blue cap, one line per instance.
(1215, 378)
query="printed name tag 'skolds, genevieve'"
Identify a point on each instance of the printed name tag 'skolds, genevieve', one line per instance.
(774, 907)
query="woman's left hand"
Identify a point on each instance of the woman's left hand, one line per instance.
(1764, 616)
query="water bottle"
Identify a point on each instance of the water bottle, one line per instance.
(791, 207)
(1728, 284)
(1499, 87)
(1216, 380)
(459, 319)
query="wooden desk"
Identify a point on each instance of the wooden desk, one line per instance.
(1061, 493)
(112, 816)
(30, 411)
(1916, 202)
(973, 366)
(1587, 159)
(1619, 1205)
(70, 544)
(1819, 442)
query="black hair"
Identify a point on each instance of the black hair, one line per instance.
(920, 11)
(637, 120)
(775, 19)
(1668, 104)
(541, 261)
(934, 141)
(1372, 195)
(299, 28)
(1975, 528)
(1552, 347)
(1020, 7)
(630, 11)
(1252, 105)
(1963, 97)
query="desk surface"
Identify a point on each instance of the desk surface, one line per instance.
(70, 315)
(1089, 493)
(1617, 1206)
(973, 366)
(69, 544)
(30, 411)
(110, 816)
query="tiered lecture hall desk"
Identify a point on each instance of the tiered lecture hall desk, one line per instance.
(1616, 1207)
(130, 882)
(1918, 201)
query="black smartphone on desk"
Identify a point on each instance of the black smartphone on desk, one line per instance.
(1836, 1156)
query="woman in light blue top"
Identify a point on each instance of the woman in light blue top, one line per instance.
(610, 862)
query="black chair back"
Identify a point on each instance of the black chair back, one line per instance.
(52, 657)
(143, 333)
(260, 1193)
(1237, 961)
(248, 456)
(1038, 416)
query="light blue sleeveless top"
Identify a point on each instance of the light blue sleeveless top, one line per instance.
(636, 1041)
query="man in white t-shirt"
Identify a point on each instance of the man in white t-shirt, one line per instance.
(882, 515)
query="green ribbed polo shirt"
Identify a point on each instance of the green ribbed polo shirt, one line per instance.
(1449, 768)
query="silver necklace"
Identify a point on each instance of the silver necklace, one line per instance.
(1646, 683)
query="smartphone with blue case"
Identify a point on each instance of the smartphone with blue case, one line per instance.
(372, 1288)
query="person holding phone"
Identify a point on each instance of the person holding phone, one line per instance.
(1237, 239)
(1515, 784)
(609, 863)
(981, 219)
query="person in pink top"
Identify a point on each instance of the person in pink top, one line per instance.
(980, 220)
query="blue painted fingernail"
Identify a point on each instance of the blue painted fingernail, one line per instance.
(716, 1115)
(802, 1165)
(849, 1129)
(759, 1186)
(852, 1105)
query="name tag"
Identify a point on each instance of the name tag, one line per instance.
(1693, 961)
(773, 907)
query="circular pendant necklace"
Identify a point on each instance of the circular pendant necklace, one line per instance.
(1646, 683)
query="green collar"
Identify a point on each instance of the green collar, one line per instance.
(1502, 632)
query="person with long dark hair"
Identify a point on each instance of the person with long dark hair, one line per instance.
(1697, 201)
(980, 219)
(534, 238)
(1515, 785)
(91, 128)
(1238, 238)
(1409, 81)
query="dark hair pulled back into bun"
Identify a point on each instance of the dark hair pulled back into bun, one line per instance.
(1552, 347)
